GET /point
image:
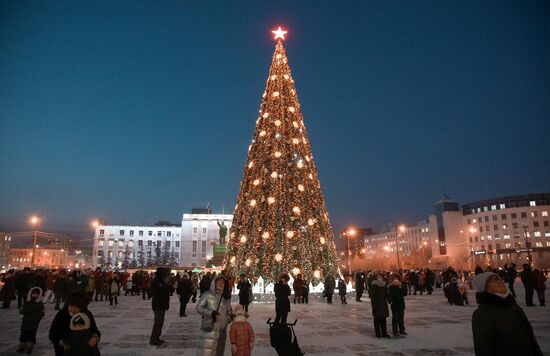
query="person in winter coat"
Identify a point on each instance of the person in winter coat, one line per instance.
(145, 286)
(114, 290)
(540, 285)
(330, 284)
(359, 286)
(342, 289)
(205, 282)
(8, 290)
(60, 330)
(282, 303)
(78, 343)
(511, 275)
(528, 283)
(298, 287)
(215, 308)
(397, 292)
(499, 325)
(99, 284)
(195, 282)
(160, 290)
(241, 334)
(90, 287)
(22, 281)
(33, 312)
(454, 295)
(184, 290)
(379, 303)
(245, 291)
(430, 281)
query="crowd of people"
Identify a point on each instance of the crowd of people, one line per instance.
(74, 331)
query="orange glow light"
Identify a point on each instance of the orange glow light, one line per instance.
(279, 33)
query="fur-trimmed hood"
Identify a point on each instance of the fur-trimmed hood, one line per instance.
(39, 294)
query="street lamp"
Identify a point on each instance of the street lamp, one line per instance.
(35, 219)
(400, 230)
(471, 231)
(348, 233)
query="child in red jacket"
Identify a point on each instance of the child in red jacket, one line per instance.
(241, 334)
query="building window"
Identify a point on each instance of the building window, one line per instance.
(120, 243)
(195, 230)
(506, 236)
(149, 254)
(140, 233)
(508, 245)
(150, 233)
(169, 233)
(504, 226)
(535, 223)
(159, 244)
(515, 225)
(130, 243)
(481, 229)
(495, 227)
(140, 243)
(538, 244)
(523, 214)
(514, 215)
(493, 207)
(544, 213)
(204, 231)
(503, 206)
(121, 232)
(168, 244)
(474, 221)
(503, 216)
(131, 232)
(537, 233)
(100, 242)
(545, 222)
(111, 243)
(486, 218)
(203, 247)
(532, 203)
(149, 243)
(487, 228)
(177, 244)
(102, 232)
(495, 217)
(534, 214)
(194, 246)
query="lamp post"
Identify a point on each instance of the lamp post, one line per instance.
(348, 233)
(471, 231)
(400, 230)
(34, 220)
(527, 243)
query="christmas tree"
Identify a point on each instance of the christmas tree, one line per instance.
(280, 223)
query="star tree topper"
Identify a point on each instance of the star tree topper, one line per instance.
(279, 33)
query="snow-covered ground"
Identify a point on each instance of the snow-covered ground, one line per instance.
(434, 328)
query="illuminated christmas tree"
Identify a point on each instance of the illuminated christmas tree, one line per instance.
(280, 223)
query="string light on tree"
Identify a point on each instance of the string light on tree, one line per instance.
(278, 227)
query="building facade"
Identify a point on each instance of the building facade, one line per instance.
(117, 246)
(492, 232)
(200, 232)
(5, 242)
(45, 257)
(508, 229)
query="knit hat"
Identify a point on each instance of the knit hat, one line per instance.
(480, 281)
(238, 310)
(79, 322)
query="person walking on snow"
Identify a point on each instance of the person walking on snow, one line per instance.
(241, 334)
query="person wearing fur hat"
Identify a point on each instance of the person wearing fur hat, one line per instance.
(214, 306)
(32, 311)
(60, 329)
(379, 302)
(241, 334)
(396, 297)
(77, 344)
(499, 325)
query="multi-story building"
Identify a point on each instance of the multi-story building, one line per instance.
(133, 246)
(200, 232)
(508, 229)
(45, 257)
(488, 232)
(5, 242)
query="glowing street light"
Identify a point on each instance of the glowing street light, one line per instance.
(35, 219)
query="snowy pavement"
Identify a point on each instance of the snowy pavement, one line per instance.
(433, 326)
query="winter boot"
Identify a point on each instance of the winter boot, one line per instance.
(29, 347)
(21, 348)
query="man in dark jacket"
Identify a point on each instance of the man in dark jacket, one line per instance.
(511, 275)
(22, 281)
(528, 283)
(330, 284)
(61, 325)
(499, 325)
(204, 284)
(184, 290)
(160, 291)
(359, 286)
(379, 302)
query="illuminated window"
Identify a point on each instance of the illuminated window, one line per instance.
(506, 237)
(121, 243)
(100, 243)
(534, 214)
(538, 244)
(493, 207)
(532, 203)
(503, 206)
(508, 245)
(537, 234)
(544, 213)
(111, 243)
(504, 226)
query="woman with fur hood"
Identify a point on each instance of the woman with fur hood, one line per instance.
(379, 301)
(241, 334)
(499, 325)
(33, 312)
(215, 308)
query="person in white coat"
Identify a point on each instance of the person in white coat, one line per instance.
(215, 307)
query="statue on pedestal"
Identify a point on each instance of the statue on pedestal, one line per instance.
(223, 232)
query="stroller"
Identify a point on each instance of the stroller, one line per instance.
(283, 338)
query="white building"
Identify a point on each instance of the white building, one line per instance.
(199, 235)
(138, 245)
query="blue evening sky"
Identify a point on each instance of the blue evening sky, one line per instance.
(140, 110)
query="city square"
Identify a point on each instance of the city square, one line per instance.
(368, 207)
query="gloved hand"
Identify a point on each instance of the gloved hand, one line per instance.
(215, 315)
